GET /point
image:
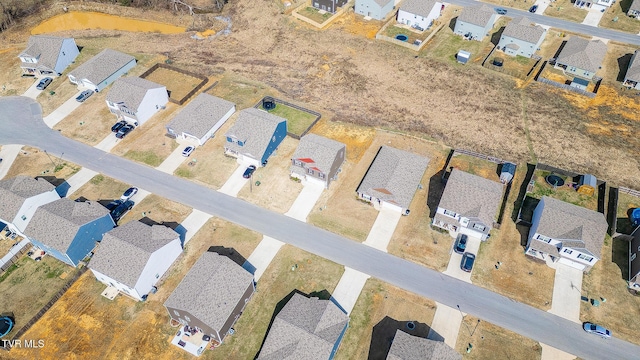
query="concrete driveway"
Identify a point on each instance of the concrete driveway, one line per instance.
(453, 269)
(192, 224)
(305, 201)
(76, 181)
(8, 155)
(383, 228)
(551, 353)
(594, 16)
(235, 182)
(108, 143)
(349, 288)
(175, 159)
(32, 92)
(445, 325)
(542, 6)
(262, 256)
(567, 288)
(63, 110)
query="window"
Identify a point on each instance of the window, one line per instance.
(633, 256)
(479, 227)
(568, 251)
(176, 312)
(157, 276)
(297, 162)
(310, 171)
(321, 175)
(585, 257)
(450, 213)
(187, 318)
(23, 217)
(544, 238)
(240, 143)
(229, 139)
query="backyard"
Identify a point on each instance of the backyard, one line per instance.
(475, 166)
(298, 121)
(626, 202)
(565, 192)
(564, 9)
(616, 18)
(314, 14)
(240, 91)
(516, 66)
(178, 84)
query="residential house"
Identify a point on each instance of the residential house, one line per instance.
(521, 37)
(69, 230)
(469, 205)
(581, 57)
(201, 118)
(212, 296)
(419, 14)
(305, 328)
(20, 197)
(329, 5)
(634, 9)
(48, 55)
(632, 77)
(134, 256)
(566, 233)
(255, 136)
(392, 179)
(102, 70)
(317, 159)
(475, 22)
(634, 261)
(135, 100)
(599, 4)
(409, 347)
(375, 9)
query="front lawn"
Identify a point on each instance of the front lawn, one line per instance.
(616, 18)
(564, 9)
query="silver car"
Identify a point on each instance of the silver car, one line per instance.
(596, 329)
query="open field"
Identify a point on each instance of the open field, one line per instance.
(159, 210)
(37, 163)
(564, 9)
(626, 202)
(380, 310)
(616, 18)
(314, 14)
(297, 120)
(313, 275)
(28, 286)
(101, 188)
(178, 84)
(241, 91)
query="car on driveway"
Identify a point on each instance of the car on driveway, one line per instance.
(596, 329)
(461, 243)
(533, 9)
(123, 131)
(84, 95)
(249, 171)
(187, 151)
(501, 11)
(467, 262)
(121, 210)
(44, 83)
(112, 205)
(117, 126)
(129, 193)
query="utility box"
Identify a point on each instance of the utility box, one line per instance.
(463, 56)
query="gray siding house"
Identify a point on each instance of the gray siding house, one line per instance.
(375, 9)
(317, 159)
(475, 22)
(211, 297)
(135, 100)
(634, 260)
(306, 328)
(632, 77)
(566, 233)
(102, 70)
(581, 57)
(409, 347)
(521, 37)
(469, 205)
(20, 197)
(634, 9)
(201, 118)
(48, 55)
(392, 179)
(328, 5)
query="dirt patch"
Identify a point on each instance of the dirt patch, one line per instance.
(354, 24)
(36, 163)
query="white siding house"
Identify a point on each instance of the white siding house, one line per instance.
(135, 100)
(48, 55)
(20, 197)
(102, 70)
(419, 13)
(201, 118)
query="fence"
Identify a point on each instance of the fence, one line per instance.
(631, 192)
(306, 4)
(405, 44)
(566, 87)
(297, 107)
(203, 79)
(13, 255)
(481, 156)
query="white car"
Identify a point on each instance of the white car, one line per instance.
(129, 193)
(187, 151)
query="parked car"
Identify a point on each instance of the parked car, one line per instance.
(84, 95)
(187, 151)
(533, 9)
(112, 205)
(44, 83)
(596, 329)
(117, 126)
(121, 210)
(501, 11)
(461, 243)
(129, 193)
(124, 131)
(467, 261)
(249, 171)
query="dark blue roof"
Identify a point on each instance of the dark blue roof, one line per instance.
(579, 81)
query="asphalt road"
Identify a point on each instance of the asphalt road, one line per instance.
(20, 122)
(562, 24)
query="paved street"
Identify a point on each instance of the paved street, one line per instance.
(494, 308)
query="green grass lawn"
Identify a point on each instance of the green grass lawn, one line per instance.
(564, 193)
(564, 9)
(148, 157)
(314, 14)
(297, 120)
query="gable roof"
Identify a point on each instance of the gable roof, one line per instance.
(55, 224)
(418, 7)
(477, 15)
(45, 48)
(472, 196)
(200, 115)
(523, 29)
(131, 91)
(255, 128)
(575, 226)
(633, 71)
(382, 3)
(635, 5)
(211, 289)
(125, 250)
(100, 67)
(14, 191)
(306, 328)
(409, 347)
(583, 54)
(322, 152)
(394, 176)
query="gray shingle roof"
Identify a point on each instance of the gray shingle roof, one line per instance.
(583, 54)
(211, 289)
(418, 7)
(633, 72)
(46, 47)
(100, 67)
(56, 223)
(14, 191)
(125, 250)
(635, 5)
(561, 220)
(320, 150)
(306, 328)
(472, 196)
(255, 128)
(477, 15)
(200, 115)
(131, 91)
(408, 347)
(382, 3)
(523, 29)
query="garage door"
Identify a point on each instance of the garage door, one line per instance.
(573, 264)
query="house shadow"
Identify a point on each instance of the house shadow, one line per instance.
(62, 186)
(322, 294)
(625, 5)
(620, 254)
(452, 23)
(385, 330)
(495, 37)
(555, 56)
(623, 65)
(523, 230)
(436, 188)
(522, 192)
(83, 199)
(231, 253)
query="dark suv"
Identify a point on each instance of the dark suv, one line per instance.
(467, 262)
(121, 210)
(461, 243)
(124, 131)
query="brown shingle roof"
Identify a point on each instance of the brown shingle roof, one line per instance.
(100, 67)
(14, 191)
(583, 54)
(523, 29)
(318, 148)
(255, 128)
(200, 115)
(131, 91)
(408, 347)
(472, 196)
(477, 15)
